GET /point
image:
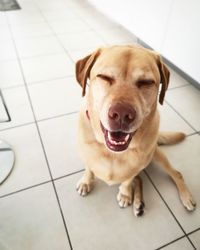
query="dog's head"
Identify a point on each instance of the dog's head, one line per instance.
(123, 88)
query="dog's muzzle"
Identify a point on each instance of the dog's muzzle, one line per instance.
(121, 117)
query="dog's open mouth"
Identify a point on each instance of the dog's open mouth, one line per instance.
(117, 141)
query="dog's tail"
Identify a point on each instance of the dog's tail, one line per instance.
(169, 138)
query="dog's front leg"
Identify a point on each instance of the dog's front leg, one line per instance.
(86, 183)
(125, 194)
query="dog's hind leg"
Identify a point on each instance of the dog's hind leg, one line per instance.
(138, 203)
(184, 193)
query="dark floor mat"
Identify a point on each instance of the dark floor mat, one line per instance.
(6, 5)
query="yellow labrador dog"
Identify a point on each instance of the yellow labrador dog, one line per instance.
(119, 122)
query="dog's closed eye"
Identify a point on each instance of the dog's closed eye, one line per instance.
(145, 83)
(106, 78)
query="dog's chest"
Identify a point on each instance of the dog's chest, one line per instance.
(114, 171)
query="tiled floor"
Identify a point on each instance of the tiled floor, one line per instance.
(39, 206)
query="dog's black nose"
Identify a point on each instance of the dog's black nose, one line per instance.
(121, 116)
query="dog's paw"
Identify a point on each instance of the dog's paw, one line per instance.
(124, 200)
(188, 201)
(83, 188)
(138, 208)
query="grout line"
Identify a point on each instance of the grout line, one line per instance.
(8, 60)
(12, 87)
(178, 87)
(17, 126)
(24, 58)
(168, 208)
(41, 120)
(194, 231)
(50, 80)
(57, 116)
(35, 82)
(180, 115)
(40, 184)
(40, 138)
(23, 189)
(171, 242)
(195, 133)
(73, 173)
(38, 82)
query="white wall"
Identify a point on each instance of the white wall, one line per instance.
(171, 27)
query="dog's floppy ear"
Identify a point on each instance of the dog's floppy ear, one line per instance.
(83, 68)
(164, 79)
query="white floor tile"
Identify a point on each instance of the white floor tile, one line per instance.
(184, 157)
(171, 121)
(79, 54)
(77, 4)
(117, 228)
(3, 20)
(27, 5)
(60, 141)
(5, 32)
(30, 166)
(195, 238)
(182, 244)
(43, 68)
(62, 14)
(48, 5)
(37, 46)
(10, 74)
(100, 22)
(81, 40)
(72, 26)
(85, 12)
(186, 101)
(176, 80)
(18, 106)
(18, 18)
(31, 220)
(7, 50)
(117, 36)
(56, 97)
(31, 30)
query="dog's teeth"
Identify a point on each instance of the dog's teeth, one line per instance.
(127, 137)
(117, 142)
(110, 139)
(109, 136)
